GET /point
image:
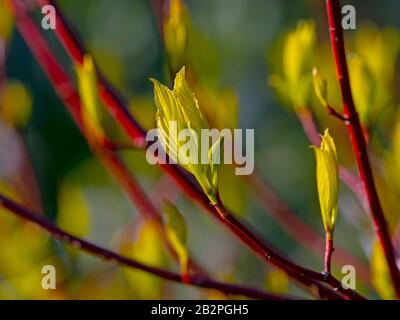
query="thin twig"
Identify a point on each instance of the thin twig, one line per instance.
(356, 135)
(311, 131)
(113, 257)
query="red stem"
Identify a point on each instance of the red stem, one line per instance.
(105, 254)
(308, 278)
(357, 139)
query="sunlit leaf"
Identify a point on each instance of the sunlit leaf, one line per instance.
(327, 180)
(292, 64)
(16, 104)
(380, 274)
(6, 19)
(219, 106)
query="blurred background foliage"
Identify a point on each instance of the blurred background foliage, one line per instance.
(250, 66)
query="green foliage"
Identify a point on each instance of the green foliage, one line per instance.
(147, 247)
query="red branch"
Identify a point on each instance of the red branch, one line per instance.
(105, 254)
(355, 131)
(311, 280)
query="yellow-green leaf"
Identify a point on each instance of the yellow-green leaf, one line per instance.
(380, 273)
(177, 110)
(176, 29)
(74, 214)
(327, 180)
(362, 87)
(6, 19)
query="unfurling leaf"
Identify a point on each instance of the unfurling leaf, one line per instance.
(87, 84)
(320, 87)
(175, 227)
(380, 273)
(178, 112)
(327, 181)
